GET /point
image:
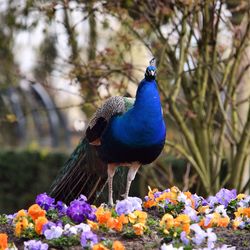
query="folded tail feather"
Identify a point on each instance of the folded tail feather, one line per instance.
(85, 173)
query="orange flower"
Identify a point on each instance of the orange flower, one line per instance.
(3, 241)
(102, 216)
(124, 219)
(21, 225)
(241, 211)
(39, 222)
(223, 222)
(93, 225)
(36, 211)
(149, 204)
(99, 246)
(117, 245)
(115, 223)
(138, 228)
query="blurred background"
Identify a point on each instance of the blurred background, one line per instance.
(61, 59)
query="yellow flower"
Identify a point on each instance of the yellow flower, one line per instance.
(21, 213)
(93, 225)
(240, 196)
(21, 225)
(3, 241)
(183, 221)
(138, 228)
(151, 192)
(137, 216)
(203, 209)
(99, 246)
(167, 221)
(117, 245)
(132, 218)
(236, 222)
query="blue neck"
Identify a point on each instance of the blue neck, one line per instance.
(143, 124)
(147, 99)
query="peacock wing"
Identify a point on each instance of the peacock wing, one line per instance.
(112, 106)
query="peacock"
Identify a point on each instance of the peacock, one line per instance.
(123, 132)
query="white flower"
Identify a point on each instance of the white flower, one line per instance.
(170, 247)
(53, 232)
(221, 210)
(183, 198)
(211, 238)
(200, 234)
(82, 227)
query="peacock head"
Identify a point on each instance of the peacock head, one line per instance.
(150, 73)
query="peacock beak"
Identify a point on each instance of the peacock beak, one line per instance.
(152, 72)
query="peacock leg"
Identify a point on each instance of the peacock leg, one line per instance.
(131, 175)
(111, 173)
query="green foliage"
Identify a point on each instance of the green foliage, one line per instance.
(3, 219)
(65, 241)
(23, 175)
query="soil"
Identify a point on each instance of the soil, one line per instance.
(238, 238)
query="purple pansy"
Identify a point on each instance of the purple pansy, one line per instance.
(184, 238)
(224, 196)
(35, 245)
(88, 239)
(79, 210)
(128, 205)
(192, 214)
(45, 201)
(61, 208)
(198, 200)
(123, 207)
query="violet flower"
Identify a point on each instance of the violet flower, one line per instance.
(128, 205)
(200, 235)
(35, 245)
(88, 239)
(79, 210)
(224, 196)
(61, 208)
(45, 201)
(184, 238)
(245, 202)
(52, 231)
(192, 214)
(198, 200)
(124, 207)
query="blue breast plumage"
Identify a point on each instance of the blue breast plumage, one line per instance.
(139, 134)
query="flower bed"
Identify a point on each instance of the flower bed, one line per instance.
(169, 219)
